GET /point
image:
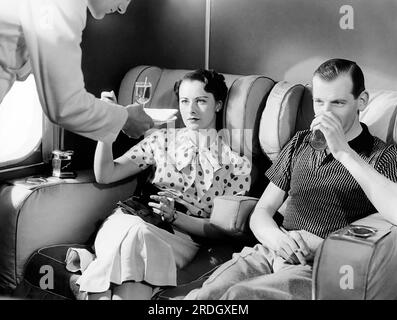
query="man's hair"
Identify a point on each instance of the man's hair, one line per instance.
(331, 69)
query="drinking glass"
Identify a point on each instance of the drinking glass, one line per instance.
(318, 141)
(143, 91)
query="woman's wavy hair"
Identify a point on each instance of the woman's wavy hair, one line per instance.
(214, 83)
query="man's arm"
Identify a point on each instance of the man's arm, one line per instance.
(261, 221)
(53, 33)
(381, 191)
(268, 233)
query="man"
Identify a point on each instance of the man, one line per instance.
(43, 37)
(353, 177)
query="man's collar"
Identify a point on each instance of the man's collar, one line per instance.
(363, 142)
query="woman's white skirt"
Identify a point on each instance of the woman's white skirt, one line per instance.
(129, 249)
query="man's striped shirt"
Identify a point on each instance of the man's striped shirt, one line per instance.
(323, 195)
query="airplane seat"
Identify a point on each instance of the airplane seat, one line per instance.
(372, 259)
(288, 109)
(241, 113)
(41, 219)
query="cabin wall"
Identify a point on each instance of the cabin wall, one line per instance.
(282, 39)
(288, 39)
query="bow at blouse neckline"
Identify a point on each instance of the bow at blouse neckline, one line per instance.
(197, 161)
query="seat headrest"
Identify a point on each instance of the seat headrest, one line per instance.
(380, 115)
(289, 108)
(162, 87)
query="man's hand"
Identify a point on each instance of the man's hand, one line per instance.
(137, 122)
(109, 96)
(288, 245)
(331, 127)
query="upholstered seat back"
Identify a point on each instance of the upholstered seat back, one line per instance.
(289, 109)
(241, 113)
(380, 115)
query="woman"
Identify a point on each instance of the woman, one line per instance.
(192, 166)
(44, 37)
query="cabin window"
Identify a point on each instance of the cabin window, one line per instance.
(21, 126)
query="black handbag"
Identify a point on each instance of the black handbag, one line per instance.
(137, 204)
(134, 206)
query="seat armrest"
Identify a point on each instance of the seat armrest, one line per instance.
(351, 266)
(231, 214)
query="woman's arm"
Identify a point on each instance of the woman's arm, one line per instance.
(192, 225)
(108, 170)
(198, 226)
(137, 159)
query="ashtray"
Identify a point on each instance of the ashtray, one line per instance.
(361, 231)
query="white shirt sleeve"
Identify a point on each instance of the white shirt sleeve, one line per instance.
(53, 30)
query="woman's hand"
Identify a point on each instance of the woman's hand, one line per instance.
(190, 224)
(191, 208)
(164, 207)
